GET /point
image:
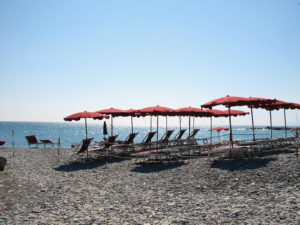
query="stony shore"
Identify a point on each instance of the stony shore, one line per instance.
(38, 187)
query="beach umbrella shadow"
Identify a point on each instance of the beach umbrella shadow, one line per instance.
(155, 167)
(75, 166)
(235, 165)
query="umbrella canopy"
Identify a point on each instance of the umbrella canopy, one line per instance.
(114, 113)
(85, 115)
(191, 111)
(276, 105)
(230, 101)
(156, 111)
(219, 128)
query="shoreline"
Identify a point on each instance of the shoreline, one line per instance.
(40, 188)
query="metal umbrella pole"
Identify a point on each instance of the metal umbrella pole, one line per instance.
(111, 126)
(85, 128)
(131, 125)
(271, 124)
(230, 133)
(189, 125)
(166, 123)
(253, 133)
(151, 123)
(157, 128)
(179, 122)
(285, 128)
(210, 130)
(86, 135)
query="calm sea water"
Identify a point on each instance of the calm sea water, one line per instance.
(70, 133)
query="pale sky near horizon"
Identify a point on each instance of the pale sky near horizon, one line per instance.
(62, 57)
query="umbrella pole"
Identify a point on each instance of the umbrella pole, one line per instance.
(219, 136)
(157, 128)
(230, 133)
(189, 125)
(166, 123)
(157, 134)
(179, 122)
(131, 125)
(253, 133)
(211, 130)
(151, 123)
(85, 129)
(87, 152)
(111, 127)
(271, 124)
(285, 128)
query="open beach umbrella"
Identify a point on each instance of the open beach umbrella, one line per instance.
(132, 113)
(276, 106)
(156, 111)
(218, 129)
(113, 113)
(85, 115)
(191, 112)
(225, 113)
(230, 101)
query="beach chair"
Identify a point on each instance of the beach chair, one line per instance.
(178, 137)
(32, 140)
(50, 142)
(164, 141)
(83, 146)
(2, 143)
(190, 139)
(127, 145)
(146, 142)
(129, 139)
(105, 146)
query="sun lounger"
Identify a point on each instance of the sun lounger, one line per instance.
(104, 146)
(127, 145)
(83, 146)
(2, 143)
(190, 139)
(164, 141)
(228, 151)
(146, 143)
(32, 140)
(178, 137)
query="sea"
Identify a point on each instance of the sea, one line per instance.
(72, 133)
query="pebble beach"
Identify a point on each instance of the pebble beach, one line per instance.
(40, 187)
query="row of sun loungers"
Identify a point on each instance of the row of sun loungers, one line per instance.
(166, 148)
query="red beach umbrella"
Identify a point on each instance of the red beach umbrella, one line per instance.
(276, 106)
(230, 101)
(85, 115)
(225, 113)
(156, 111)
(114, 113)
(191, 111)
(218, 129)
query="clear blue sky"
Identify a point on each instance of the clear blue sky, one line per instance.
(61, 57)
